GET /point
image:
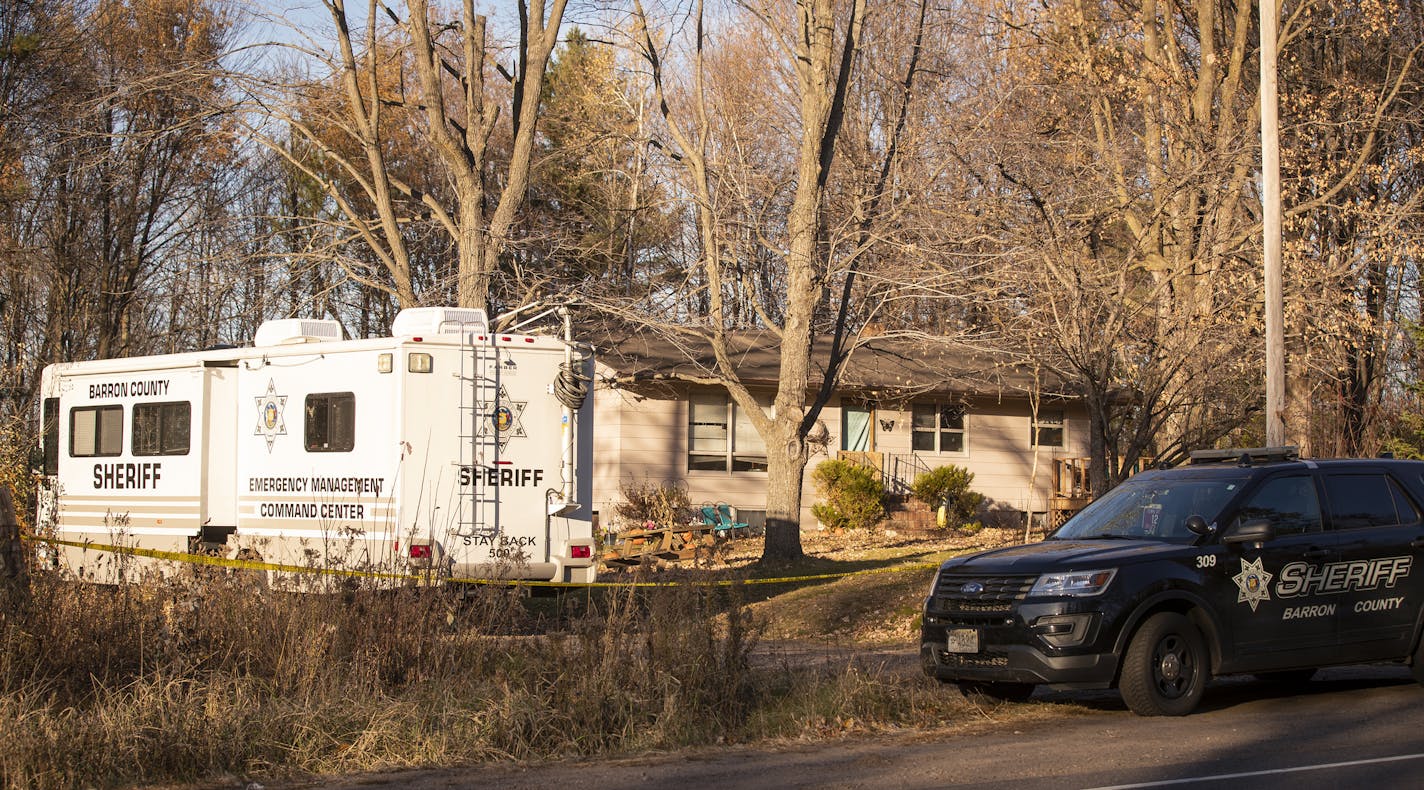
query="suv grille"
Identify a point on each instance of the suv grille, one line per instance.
(988, 658)
(975, 593)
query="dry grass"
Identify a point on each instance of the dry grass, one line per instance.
(203, 678)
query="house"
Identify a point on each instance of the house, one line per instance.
(904, 405)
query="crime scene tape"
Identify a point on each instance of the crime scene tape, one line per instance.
(259, 565)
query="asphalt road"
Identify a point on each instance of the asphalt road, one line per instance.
(1353, 727)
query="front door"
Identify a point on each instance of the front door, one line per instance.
(857, 429)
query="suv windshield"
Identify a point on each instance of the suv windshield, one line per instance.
(1152, 509)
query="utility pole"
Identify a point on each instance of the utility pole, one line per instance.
(1271, 230)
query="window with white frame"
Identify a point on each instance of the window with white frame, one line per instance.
(1047, 430)
(96, 431)
(720, 435)
(937, 428)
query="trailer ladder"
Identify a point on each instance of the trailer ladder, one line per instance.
(479, 434)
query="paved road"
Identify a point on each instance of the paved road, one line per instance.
(1356, 727)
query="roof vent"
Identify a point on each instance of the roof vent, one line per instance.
(288, 331)
(419, 321)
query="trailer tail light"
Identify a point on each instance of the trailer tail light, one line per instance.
(581, 552)
(420, 551)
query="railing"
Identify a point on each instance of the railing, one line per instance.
(901, 471)
(897, 471)
(1071, 491)
(875, 461)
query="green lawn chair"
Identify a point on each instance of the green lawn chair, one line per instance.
(719, 518)
(725, 520)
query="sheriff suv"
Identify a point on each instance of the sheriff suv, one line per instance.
(1243, 562)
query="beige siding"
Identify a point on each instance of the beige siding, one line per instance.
(643, 439)
(608, 408)
(998, 451)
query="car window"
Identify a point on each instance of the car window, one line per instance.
(1153, 508)
(1367, 500)
(1289, 503)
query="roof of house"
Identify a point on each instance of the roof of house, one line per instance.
(881, 367)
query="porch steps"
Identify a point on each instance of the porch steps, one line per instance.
(904, 513)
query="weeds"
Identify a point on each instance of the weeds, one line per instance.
(197, 676)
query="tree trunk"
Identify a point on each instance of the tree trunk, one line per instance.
(786, 464)
(14, 582)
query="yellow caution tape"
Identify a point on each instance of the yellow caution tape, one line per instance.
(258, 565)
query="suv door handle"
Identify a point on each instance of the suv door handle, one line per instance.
(1417, 543)
(1317, 553)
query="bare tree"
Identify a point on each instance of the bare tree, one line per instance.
(758, 114)
(125, 143)
(407, 88)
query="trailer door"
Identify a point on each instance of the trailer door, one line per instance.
(218, 427)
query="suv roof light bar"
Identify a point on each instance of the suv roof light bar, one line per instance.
(1246, 456)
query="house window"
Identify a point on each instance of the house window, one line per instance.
(96, 431)
(1047, 431)
(330, 422)
(720, 436)
(937, 428)
(162, 428)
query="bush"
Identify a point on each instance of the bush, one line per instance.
(854, 495)
(662, 504)
(949, 486)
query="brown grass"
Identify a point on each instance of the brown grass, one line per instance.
(218, 676)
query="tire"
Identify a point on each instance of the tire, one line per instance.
(1003, 692)
(1418, 665)
(1287, 677)
(1164, 671)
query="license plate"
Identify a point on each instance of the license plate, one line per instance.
(963, 640)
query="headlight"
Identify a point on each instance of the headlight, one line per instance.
(934, 584)
(1079, 584)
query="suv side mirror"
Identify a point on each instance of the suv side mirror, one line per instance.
(1198, 526)
(1254, 532)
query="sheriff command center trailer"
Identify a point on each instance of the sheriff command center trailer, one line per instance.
(446, 450)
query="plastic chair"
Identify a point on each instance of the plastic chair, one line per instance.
(719, 518)
(724, 516)
(710, 517)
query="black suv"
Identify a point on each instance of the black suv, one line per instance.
(1244, 561)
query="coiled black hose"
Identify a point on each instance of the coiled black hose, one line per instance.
(571, 385)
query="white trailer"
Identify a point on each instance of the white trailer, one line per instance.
(446, 450)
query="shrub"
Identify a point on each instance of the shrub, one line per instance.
(949, 486)
(854, 495)
(662, 504)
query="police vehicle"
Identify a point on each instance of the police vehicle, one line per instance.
(1242, 562)
(447, 450)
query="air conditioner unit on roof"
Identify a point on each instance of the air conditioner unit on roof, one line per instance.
(284, 331)
(421, 321)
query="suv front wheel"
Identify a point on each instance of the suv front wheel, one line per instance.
(1164, 671)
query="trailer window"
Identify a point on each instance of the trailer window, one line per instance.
(96, 431)
(50, 419)
(162, 428)
(330, 422)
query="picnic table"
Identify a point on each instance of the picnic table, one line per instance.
(677, 543)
